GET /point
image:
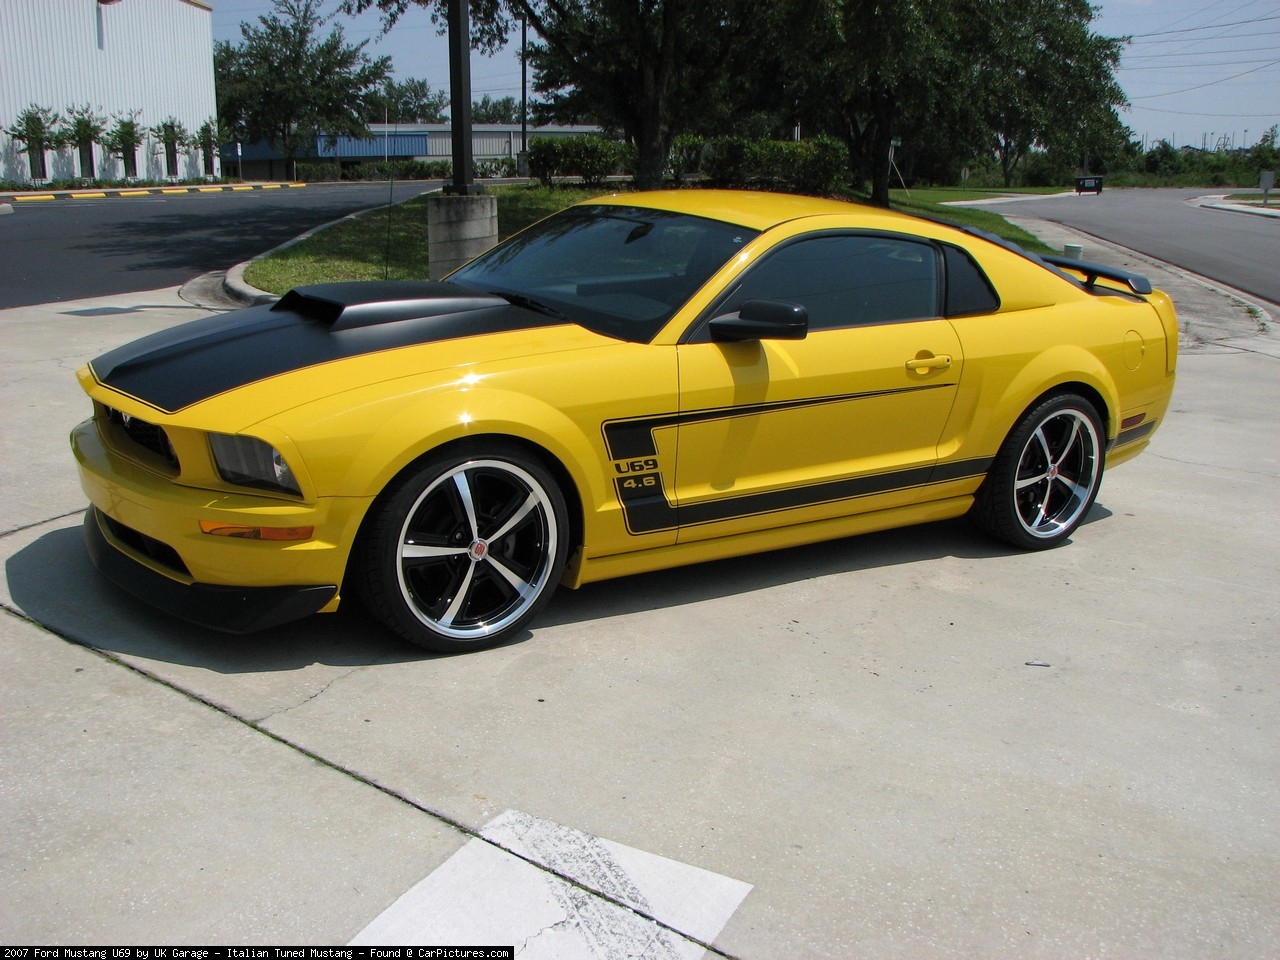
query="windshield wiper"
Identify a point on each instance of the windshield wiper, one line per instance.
(529, 303)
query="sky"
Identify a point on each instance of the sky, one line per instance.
(1198, 72)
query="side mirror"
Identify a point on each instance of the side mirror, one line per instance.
(762, 320)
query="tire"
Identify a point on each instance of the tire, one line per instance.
(461, 553)
(1045, 477)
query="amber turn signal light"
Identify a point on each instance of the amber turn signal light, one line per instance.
(217, 528)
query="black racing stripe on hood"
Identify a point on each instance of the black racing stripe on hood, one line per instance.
(175, 368)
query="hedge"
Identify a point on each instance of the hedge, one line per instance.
(590, 158)
(819, 166)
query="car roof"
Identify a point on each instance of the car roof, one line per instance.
(755, 209)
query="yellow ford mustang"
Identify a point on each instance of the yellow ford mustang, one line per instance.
(637, 382)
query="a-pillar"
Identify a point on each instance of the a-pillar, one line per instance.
(460, 227)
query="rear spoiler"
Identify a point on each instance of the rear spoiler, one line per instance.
(1092, 271)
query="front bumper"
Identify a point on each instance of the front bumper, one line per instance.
(144, 533)
(230, 609)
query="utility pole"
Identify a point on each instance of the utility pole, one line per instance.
(460, 99)
(462, 222)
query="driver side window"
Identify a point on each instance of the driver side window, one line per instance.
(846, 281)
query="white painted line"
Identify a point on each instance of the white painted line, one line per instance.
(486, 894)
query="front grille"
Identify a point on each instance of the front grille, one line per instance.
(147, 436)
(145, 546)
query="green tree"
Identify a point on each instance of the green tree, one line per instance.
(288, 85)
(489, 110)
(954, 79)
(647, 69)
(37, 128)
(872, 72)
(123, 140)
(1042, 77)
(82, 128)
(208, 137)
(1265, 154)
(412, 101)
(173, 136)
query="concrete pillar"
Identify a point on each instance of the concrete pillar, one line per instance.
(459, 228)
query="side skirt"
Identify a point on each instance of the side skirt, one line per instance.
(590, 570)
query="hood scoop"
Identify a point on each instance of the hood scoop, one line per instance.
(348, 306)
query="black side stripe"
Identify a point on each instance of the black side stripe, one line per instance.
(648, 507)
(650, 510)
(633, 439)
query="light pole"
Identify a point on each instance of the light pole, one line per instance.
(460, 99)
(462, 221)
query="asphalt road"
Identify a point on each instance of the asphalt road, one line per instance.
(1239, 250)
(60, 250)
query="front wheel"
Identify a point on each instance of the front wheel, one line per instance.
(465, 550)
(1045, 477)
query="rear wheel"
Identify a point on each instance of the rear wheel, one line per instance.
(465, 550)
(1045, 477)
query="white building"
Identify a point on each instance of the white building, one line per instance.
(147, 59)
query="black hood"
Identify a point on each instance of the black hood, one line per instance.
(175, 368)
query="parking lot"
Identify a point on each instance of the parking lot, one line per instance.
(910, 744)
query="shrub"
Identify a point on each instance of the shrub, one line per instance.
(823, 168)
(686, 156)
(818, 166)
(726, 162)
(591, 158)
(546, 160)
(319, 172)
(498, 167)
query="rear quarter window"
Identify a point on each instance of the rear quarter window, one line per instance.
(968, 289)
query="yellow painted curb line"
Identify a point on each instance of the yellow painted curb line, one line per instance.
(41, 196)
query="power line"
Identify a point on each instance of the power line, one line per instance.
(1199, 66)
(1208, 26)
(1199, 53)
(1211, 83)
(1215, 114)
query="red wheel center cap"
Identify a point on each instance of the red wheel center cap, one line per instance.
(479, 550)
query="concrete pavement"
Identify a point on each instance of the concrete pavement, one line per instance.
(850, 748)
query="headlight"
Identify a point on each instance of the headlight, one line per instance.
(250, 462)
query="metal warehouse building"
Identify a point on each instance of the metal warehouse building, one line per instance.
(148, 59)
(403, 141)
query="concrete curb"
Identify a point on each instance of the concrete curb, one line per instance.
(1273, 212)
(134, 192)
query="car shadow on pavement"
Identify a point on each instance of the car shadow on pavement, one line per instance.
(53, 582)
(706, 581)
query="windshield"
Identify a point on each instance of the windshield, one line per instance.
(620, 271)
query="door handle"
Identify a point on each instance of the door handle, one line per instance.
(941, 362)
